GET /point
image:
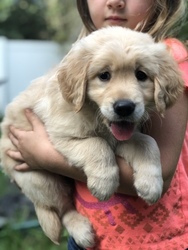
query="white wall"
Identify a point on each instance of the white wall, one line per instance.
(3, 71)
(22, 61)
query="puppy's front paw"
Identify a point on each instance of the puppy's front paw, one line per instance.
(149, 188)
(104, 185)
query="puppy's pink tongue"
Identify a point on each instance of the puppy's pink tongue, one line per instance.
(122, 131)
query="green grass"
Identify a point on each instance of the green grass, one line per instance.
(30, 239)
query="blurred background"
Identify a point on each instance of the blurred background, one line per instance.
(34, 37)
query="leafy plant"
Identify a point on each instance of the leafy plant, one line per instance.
(38, 19)
(183, 34)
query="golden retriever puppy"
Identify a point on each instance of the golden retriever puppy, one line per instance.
(91, 106)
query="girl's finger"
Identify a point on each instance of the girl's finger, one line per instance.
(14, 140)
(15, 131)
(22, 167)
(33, 119)
(15, 155)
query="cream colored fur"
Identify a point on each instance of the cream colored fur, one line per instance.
(77, 108)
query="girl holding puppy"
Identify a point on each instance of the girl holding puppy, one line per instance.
(125, 221)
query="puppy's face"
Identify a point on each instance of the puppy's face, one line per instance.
(125, 73)
(123, 86)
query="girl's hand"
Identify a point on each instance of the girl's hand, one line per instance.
(33, 147)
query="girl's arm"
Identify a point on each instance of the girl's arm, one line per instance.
(36, 150)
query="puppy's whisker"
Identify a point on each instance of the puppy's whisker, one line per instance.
(145, 118)
(156, 113)
(146, 122)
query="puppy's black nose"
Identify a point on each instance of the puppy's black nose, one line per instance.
(124, 107)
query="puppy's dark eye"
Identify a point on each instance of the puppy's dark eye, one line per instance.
(141, 76)
(104, 76)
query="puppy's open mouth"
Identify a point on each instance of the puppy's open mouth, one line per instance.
(123, 130)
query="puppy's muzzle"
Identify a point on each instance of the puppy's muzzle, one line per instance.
(124, 108)
(123, 124)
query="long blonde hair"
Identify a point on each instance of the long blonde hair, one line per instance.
(164, 18)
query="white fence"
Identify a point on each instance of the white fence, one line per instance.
(22, 61)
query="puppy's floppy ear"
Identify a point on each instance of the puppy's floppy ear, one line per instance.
(72, 76)
(168, 84)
